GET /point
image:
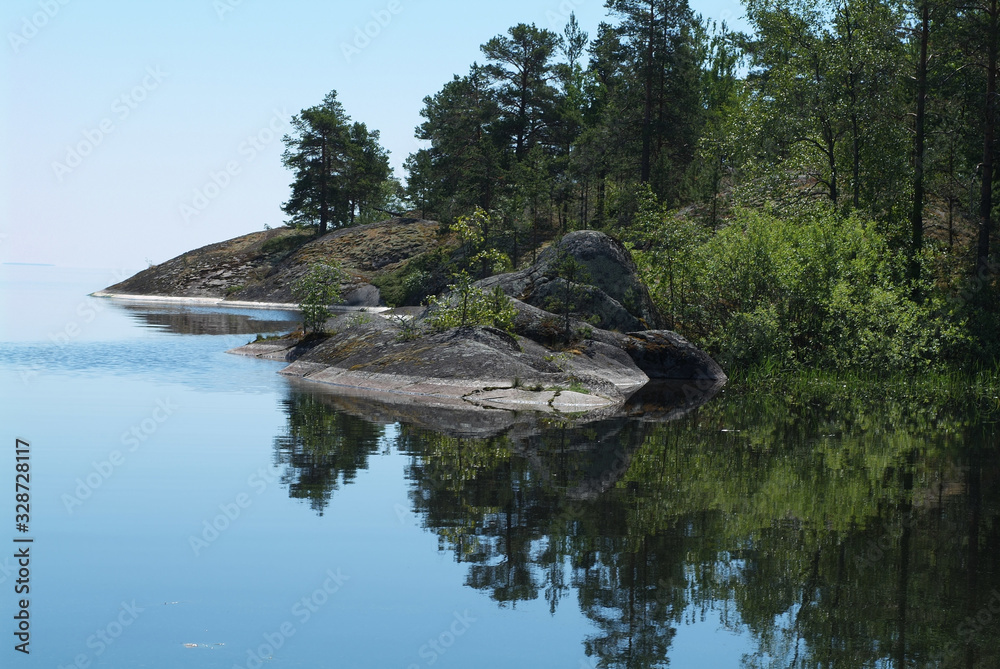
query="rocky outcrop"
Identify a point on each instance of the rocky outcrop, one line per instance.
(262, 266)
(605, 283)
(478, 365)
(550, 362)
(659, 354)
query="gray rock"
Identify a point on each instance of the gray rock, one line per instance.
(608, 288)
(662, 354)
(362, 295)
(550, 363)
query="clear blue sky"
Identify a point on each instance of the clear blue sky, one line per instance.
(162, 95)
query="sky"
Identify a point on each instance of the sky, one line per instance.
(134, 131)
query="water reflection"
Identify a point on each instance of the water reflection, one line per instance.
(202, 321)
(322, 448)
(831, 529)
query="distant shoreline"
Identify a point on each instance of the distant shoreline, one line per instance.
(219, 302)
(195, 301)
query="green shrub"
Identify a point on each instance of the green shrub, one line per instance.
(814, 288)
(316, 290)
(420, 277)
(467, 304)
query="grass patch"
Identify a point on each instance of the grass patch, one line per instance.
(286, 244)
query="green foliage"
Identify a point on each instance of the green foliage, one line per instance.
(285, 244)
(316, 290)
(408, 328)
(663, 246)
(418, 278)
(572, 291)
(360, 318)
(671, 113)
(340, 168)
(472, 229)
(819, 518)
(475, 232)
(262, 338)
(809, 289)
(322, 449)
(466, 304)
(493, 261)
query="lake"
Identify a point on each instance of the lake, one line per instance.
(190, 508)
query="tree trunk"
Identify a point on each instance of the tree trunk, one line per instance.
(917, 214)
(324, 188)
(903, 577)
(855, 124)
(972, 556)
(831, 157)
(986, 195)
(647, 116)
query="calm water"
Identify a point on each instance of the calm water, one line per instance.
(195, 509)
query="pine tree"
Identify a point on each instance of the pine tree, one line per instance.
(340, 168)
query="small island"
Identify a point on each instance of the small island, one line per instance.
(578, 332)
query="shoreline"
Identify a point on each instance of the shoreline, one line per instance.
(466, 393)
(223, 303)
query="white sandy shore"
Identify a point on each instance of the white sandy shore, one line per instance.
(219, 302)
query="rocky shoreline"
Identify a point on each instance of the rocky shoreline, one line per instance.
(482, 367)
(546, 360)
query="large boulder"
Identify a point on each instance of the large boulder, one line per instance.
(659, 354)
(662, 354)
(606, 287)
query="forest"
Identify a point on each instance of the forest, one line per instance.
(814, 192)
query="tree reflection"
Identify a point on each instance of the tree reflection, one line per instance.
(834, 530)
(322, 448)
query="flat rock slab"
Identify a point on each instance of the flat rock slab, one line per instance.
(484, 367)
(563, 401)
(451, 392)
